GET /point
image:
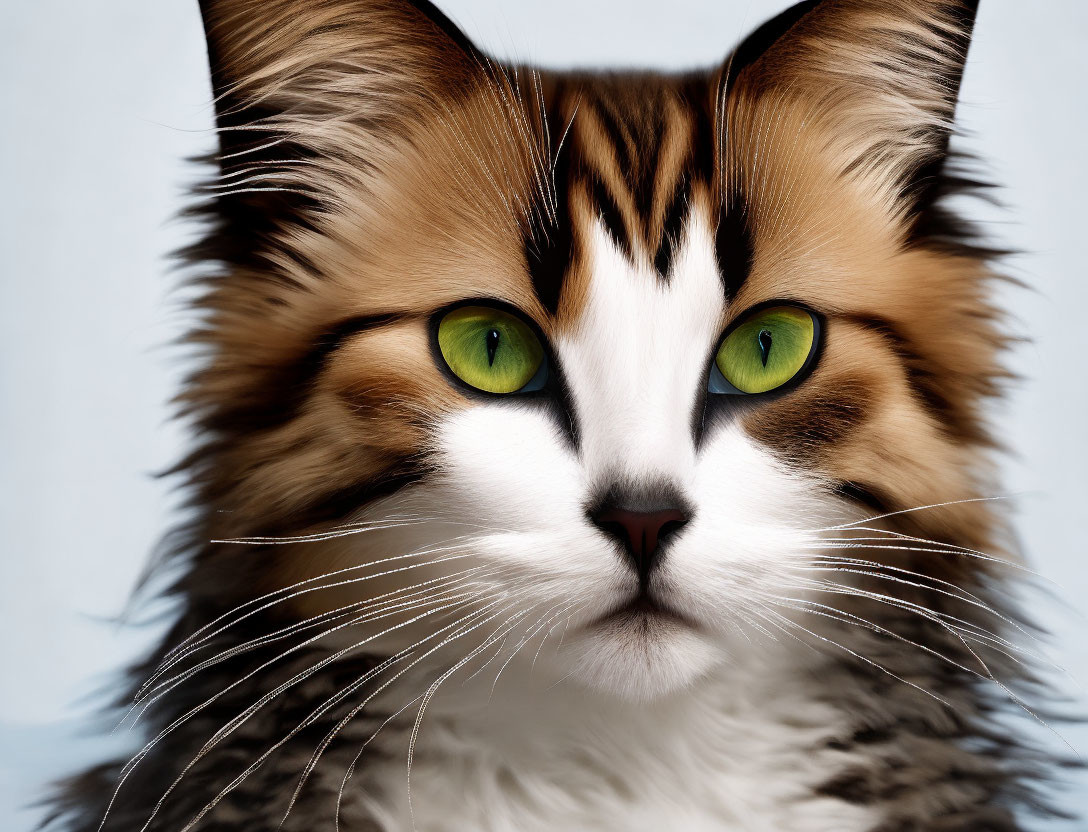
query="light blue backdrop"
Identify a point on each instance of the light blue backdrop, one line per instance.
(102, 102)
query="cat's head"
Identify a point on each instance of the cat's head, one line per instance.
(617, 354)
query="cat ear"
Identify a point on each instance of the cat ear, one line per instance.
(885, 74)
(283, 66)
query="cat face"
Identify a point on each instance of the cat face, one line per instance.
(620, 356)
(577, 491)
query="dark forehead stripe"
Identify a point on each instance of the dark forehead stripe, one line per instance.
(549, 244)
(619, 136)
(650, 139)
(635, 120)
(673, 226)
(632, 113)
(699, 164)
(699, 98)
(733, 244)
(610, 213)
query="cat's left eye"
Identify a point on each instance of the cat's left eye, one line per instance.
(768, 349)
(492, 350)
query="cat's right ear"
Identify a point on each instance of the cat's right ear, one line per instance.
(296, 67)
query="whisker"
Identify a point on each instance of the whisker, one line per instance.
(974, 631)
(423, 708)
(483, 667)
(238, 721)
(925, 550)
(348, 529)
(533, 630)
(380, 610)
(361, 605)
(319, 751)
(963, 595)
(987, 674)
(547, 635)
(884, 534)
(845, 565)
(290, 592)
(359, 754)
(496, 634)
(763, 614)
(739, 610)
(329, 534)
(919, 508)
(836, 614)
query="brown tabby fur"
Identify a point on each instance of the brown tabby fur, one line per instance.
(433, 170)
(369, 178)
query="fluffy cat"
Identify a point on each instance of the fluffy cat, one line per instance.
(584, 451)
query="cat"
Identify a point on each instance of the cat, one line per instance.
(585, 450)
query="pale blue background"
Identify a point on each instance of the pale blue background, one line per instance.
(102, 102)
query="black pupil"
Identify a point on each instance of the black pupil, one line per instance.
(764, 338)
(492, 343)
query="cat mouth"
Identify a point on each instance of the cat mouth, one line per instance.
(643, 609)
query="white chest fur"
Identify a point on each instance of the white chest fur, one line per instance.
(741, 750)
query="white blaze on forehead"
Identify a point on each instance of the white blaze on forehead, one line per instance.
(637, 359)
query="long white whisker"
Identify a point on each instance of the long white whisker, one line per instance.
(924, 550)
(849, 566)
(548, 634)
(423, 708)
(919, 508)
(374, 609)
(359, 707)
(765, 612)
(884, 534)
(988, 674)
(288, 593)
(238, 721)
(532, 631)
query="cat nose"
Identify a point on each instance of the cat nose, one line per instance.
(640, 532)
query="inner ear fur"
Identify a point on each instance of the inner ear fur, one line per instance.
(269, 55)
(882, 75)
(314, 99)
(300, 82)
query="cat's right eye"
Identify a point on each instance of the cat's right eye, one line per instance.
(492, 350)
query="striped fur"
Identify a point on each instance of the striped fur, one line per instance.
(374, 167)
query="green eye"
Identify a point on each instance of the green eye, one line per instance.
(491, 350)
(765, 351)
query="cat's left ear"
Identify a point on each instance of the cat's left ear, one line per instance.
(883, 74)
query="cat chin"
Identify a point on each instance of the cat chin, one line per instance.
(641, 663)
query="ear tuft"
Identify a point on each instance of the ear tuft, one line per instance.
(289, 69)
(885, 74)
(259, 48)
(314, 100)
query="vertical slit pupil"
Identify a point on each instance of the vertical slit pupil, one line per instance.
(765, 339)
(491, 340)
